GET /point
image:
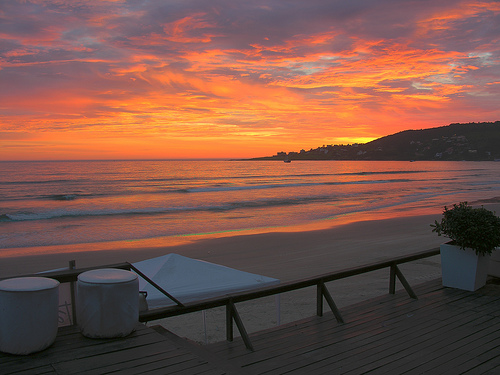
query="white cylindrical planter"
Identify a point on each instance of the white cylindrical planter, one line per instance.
(107, 303)
(28, 314)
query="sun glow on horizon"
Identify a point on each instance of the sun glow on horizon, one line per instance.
(170, 80)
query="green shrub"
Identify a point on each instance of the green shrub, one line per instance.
(475, 228)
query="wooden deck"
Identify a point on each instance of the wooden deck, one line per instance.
(445, 331)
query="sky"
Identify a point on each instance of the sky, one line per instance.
(167, 79)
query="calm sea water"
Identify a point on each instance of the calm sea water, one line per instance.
(53, 203)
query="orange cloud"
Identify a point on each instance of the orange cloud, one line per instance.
(181, 31)
(158, 80)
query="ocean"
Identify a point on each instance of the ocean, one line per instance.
(77, 202)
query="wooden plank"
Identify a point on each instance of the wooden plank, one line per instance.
(355, 353)
(80, 347)
(266, 336)
(124, 357)
(42, 370)
(380, 348)
(315, 338)
(167, 367)
(480, 358)
(437, 308)
(409, 355)
(374, 311)
(457, 352)
(369, 324)
(464, 359)
(130, 364)
(491, 365)
(201, 352)
(85, 355)
(404, 360)
(313, 321)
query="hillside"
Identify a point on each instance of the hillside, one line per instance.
(472, 141)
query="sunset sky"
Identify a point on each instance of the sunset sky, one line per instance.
(231, 78)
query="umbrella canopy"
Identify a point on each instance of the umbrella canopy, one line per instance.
(190, 280)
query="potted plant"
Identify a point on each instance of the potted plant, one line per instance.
(474, 234)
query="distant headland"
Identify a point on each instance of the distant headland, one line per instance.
(472, 141)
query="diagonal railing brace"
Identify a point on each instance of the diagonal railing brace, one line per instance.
(156, 285)
(232, 314)
(395, 271)
(322, 291)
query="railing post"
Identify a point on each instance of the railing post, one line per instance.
(321, 292)
(405, 283)
(319, 298)
(232, 314)
(395, 271)
(332, 305)
(392, 279)
(72, 266)
(229, 321)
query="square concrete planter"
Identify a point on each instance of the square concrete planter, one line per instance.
(494, 267)
(463, 269)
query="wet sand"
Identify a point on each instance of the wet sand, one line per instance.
(283, 255)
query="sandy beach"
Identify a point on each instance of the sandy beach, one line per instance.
(283, 255)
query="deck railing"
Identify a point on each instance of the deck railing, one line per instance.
(230, 300)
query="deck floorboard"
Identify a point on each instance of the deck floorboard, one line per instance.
(389, 334)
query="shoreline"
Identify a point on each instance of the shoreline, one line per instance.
(322, 246)
(299, 253)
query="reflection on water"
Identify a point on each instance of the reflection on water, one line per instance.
(54, 203)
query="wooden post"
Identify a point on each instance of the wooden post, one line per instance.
(332, 304)
(72, 266)
(322, 291)
(319, 298)
(395, 271)
(405, 283)
(392, 279)
(229, 322)
(232, 314)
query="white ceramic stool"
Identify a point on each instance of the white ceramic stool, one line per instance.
(107, 303)
(28, 314)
